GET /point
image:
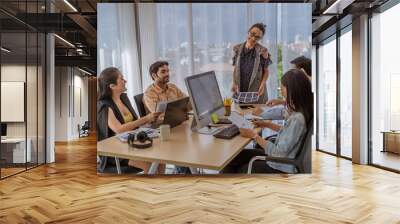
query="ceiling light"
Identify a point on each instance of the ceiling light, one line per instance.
(5, 50)
(337, 7)
(70, 5)
(84, 71)
(65, 41)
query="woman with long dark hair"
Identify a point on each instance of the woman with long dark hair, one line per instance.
(296, 89)
(115, 115)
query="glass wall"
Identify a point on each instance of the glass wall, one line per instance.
(327, 95)
(385, 89)
(22, 93)
(346, 92)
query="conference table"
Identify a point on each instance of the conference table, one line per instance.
(183, 148)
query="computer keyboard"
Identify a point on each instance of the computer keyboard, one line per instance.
(224, 121)
(227, 133)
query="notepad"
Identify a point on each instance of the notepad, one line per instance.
(240, 121)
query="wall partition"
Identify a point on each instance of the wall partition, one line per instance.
(22, 88)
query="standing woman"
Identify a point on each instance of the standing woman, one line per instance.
(115, 115)
(250, 64)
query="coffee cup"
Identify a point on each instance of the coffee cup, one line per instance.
(165, 132)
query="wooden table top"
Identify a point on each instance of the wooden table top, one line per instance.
(183, 148)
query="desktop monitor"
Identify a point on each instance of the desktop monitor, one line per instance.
(3, 129)
(206, 99)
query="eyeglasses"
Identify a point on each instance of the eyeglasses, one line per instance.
(252, 34)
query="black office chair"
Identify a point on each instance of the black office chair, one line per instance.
(140, 105)
(84, 129)
(302, 161)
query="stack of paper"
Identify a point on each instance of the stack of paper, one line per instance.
(240, 121)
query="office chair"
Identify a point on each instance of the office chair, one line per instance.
(302, 161)
(140, 105)
(84, 130)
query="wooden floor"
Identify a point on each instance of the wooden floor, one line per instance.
(387, 159)
(70, 191)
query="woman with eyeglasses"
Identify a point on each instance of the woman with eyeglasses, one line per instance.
(250, 64)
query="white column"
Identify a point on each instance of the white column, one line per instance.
(50, 99)
(360, 90)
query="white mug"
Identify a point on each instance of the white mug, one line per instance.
(165, 132)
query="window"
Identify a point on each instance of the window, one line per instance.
(196, 38)
(327, 96)
(346, 93)
(385, 84)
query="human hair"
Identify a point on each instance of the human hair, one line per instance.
(299, 95)
(260, 26)
(304, 63)
(155, 66)
(107, 77)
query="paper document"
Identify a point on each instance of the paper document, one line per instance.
(161, 106)
(152, 133)
(251, 117)
(240, 121)
(273, 113)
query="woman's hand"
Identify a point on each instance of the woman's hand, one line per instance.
(152, 116)
(257, 111)
(274, 102)
(261, 123)
(247, 133)
(261, 89)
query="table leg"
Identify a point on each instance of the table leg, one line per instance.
(193, 170)
(118, 165)
(153, 168)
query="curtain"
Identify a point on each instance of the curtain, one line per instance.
(117, 43)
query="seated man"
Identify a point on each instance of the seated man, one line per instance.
(161, 91)
(302, 63)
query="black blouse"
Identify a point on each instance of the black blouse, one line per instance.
(247, 58)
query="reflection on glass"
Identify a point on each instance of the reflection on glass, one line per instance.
(327, 97)
(31, 101)
(346, 94)
(385, 84)
(13, 82)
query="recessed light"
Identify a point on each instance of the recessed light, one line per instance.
(70, 5)
(5, 50)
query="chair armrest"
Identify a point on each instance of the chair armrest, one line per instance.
(250, 167)
(280, 160)
(269, 159)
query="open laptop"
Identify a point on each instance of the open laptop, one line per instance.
(175, 113)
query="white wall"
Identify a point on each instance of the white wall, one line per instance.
(70, 83)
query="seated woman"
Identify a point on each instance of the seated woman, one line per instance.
(115, 115)
(296, 89)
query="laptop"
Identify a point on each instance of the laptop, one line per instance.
(175, 113)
